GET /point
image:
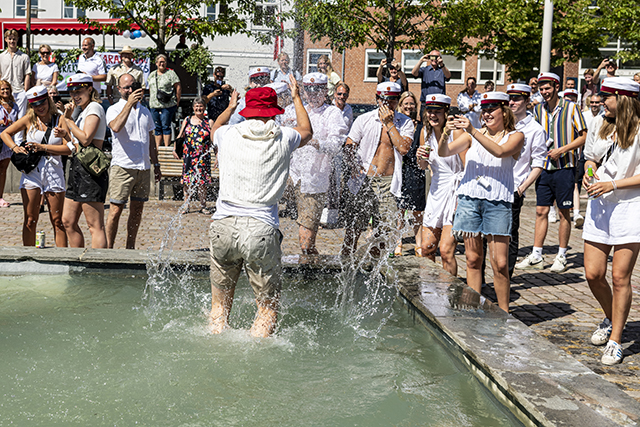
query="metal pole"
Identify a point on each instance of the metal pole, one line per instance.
(28, 15)
(547, 31)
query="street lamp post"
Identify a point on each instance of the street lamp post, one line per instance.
(28, 14)
(547, 31)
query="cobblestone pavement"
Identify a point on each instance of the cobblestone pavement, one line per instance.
(559, 307)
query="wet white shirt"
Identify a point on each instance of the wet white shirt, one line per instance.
(365, 133)
(533, 151)
(347, 114)
(312, 166)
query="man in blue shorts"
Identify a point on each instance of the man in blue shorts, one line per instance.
(566, 131)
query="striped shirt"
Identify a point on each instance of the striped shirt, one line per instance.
(562, 127)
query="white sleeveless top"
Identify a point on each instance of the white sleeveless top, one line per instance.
(497, 174)
(48, 175)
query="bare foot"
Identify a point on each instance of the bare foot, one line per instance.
(265, 322)
(218, 321)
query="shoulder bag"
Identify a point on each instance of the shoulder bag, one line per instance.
(25, 163)
(93, 159)
(161, 95)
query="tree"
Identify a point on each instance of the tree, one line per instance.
(161, 20)
(511, 32)
(386, 24)
(621, 18)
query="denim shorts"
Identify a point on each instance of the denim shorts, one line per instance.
(482, 217)
(162, 118)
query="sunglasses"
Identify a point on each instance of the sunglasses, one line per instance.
(45, 53)
(345, 94)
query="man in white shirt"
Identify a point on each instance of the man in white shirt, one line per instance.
(253, 159)
(469, 103)
(91, 63)
(595, 105)
(529, 165)
(374, 149)
(15, 68)
(311, 165)
(340, 99)
(130, 177)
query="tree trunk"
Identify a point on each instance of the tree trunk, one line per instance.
(162, 30)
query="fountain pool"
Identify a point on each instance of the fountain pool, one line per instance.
(90, 349)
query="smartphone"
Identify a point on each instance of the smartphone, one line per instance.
(135, 86)
(454, 111)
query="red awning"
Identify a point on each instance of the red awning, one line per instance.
(51, 26)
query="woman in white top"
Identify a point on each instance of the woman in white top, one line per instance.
(486, 190)
(613, 150)
(86, 193)
(325, 67)
(45, 71)
(45, 133)
(447, 171)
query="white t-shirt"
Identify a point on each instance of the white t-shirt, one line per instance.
(131, 144)
(93, 109)
(44, 72)
(266, 214)
(93, 66)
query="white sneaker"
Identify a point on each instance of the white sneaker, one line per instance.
(601, 335)
(578, 220)
(559, 264)
(612, 353)
(531, 262)
(552, 216)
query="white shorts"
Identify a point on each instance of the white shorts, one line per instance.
(48, 177)
(612, 223)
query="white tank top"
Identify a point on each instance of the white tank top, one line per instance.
(483, 167)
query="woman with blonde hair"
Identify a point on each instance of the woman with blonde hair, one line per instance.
(47, 133)
(485, 194)
(612, 151)
(86, 193)
(46, 72)
(324, 66)
(447, 171)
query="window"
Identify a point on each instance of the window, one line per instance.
(411, 57)
(214, 10)
(264, 12)
(21, 7)
(71, 12)
(372, 58)
(312, 58)
(625, 69)
(490, 69)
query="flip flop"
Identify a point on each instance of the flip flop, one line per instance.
(4, 203)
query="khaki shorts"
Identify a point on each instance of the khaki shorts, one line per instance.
(235, 241)
(309, 205)
(374, 202)
(125, 183)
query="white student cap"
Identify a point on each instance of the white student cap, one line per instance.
(315, 79)
(519, 89)
(388, 89)
(259, 72)
(437, 101)
(492, 99)
(548, 77)
(620, 86)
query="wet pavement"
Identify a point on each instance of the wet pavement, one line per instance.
(559, 307)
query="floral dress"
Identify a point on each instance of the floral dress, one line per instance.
(196, 169)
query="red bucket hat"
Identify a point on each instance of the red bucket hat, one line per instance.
(261, 102)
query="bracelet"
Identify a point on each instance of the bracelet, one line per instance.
(615, 187)
(392, 125)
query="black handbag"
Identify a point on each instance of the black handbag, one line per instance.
(25, 163)
(161, 95)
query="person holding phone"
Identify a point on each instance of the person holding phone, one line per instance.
(133, 153)
(434, 77)
(485, 194)
(393, 73)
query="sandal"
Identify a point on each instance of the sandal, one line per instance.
(4, 203)
(398, 250)
(206, 211)
(418, 252)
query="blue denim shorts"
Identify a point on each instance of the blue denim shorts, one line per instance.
(482, 217)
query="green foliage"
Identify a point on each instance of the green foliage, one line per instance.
(196, 61)
(164, 19)
(621, 18)
(511, 31)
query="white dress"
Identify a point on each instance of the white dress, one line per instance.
(612, 218)
(447, 172)
(48, 176)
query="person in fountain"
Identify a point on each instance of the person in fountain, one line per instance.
(311, 165)
(374, 149)
(253, 159)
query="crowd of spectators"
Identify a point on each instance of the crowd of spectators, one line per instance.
(457, 175)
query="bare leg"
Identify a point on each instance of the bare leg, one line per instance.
(158, 140)
(350, 243)
(70, 217)
(133, 224)
(202, 195)
(113, 220)
(499, 256)
(56, 204)
(167, 140)
(94, 214)
(31, 206)
(542, 222)
(417, 231)
(308, 241)
(595, 268)
(221, 302)
(398, 249)
(430, 240)
(474, 254)
(624, 259)
(565, 227)
(448, 245)
(266, 318)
